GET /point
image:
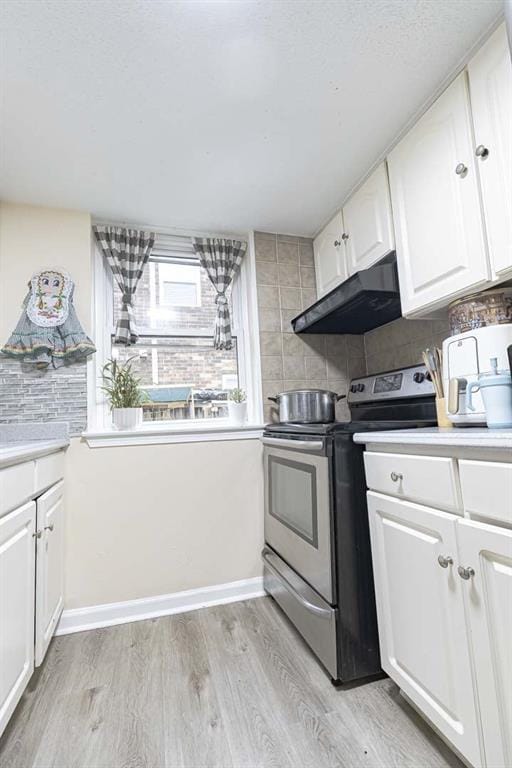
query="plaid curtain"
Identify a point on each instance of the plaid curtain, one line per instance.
(126, 251)
(221, 259)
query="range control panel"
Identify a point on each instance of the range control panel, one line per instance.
(391, 385)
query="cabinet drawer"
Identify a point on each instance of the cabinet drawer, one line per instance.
(49, 470)
(431, 480)
(487, 489)
(16, 485)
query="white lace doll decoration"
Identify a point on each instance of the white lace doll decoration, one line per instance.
(48, 330)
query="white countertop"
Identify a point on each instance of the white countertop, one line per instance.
(16, 452)
(464, 437)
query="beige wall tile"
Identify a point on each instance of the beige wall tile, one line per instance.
(356, 367)
(336, 346)
(295, 384)
(266, 273)
(287, 316)
(271, 343)
(287, 253)
(318, 384)
(307, 277)
(340, 386)
(288, 274)
(308, 297)
(294, 367)
(271, 388)
(316, 368)
(268, 296)
(270, 319)
(293, 344)
(306, 258)
(265, 247)
(355, 345)
(291, 298)
(271, 367)
(287, 238)
(337, 368)
(315, 344)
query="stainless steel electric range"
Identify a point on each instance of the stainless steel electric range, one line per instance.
(317, 558)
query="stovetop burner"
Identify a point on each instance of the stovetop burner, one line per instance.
(345, 426)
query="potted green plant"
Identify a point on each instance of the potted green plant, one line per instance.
(237, 406)
(124, 393)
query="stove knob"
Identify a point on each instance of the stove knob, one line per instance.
(353, 388)
(418, 377)
(428, 376)
(360, 387)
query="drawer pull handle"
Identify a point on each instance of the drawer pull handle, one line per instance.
(396, 476)
(465, 573)
(444, 562)
(49, 527)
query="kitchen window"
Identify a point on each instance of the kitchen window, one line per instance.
(186, 382)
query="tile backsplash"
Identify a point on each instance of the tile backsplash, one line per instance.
(28, 394)
(401, 342)
(285, 276)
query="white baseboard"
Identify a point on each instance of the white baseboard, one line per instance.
(109, 614)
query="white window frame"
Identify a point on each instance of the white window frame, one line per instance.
(245, 327)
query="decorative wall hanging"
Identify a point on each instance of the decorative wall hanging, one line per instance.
(48, 331)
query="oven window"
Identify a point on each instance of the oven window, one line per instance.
(292, 491)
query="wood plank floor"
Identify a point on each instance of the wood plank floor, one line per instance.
(227, 687)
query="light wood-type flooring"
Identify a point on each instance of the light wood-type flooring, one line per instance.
(232, 686)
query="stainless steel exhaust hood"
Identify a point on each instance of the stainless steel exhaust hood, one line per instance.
(366, 300)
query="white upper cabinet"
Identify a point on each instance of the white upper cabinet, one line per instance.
(50, 567)
(441, 249)
(487, 551)
(330, 257)
(490, 84)
(368, 222)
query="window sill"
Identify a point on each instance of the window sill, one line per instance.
(163, 434)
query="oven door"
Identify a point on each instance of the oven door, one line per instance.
(298, 508)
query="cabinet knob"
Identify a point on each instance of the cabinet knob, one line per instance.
(445, 561)
(465, 573)
(461, 169)
(396, 476)
(37, 534)
(481, 151)
(337, 243)
(344, 236)
(49, 527)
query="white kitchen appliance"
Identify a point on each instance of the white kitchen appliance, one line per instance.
(496, 389)
(466, 356)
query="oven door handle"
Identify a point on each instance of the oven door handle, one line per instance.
(323, 612)
(309, 446)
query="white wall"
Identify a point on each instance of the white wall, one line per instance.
(151, 520)
(32, 238)
(144, 520)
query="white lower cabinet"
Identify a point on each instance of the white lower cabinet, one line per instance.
(31, 571)
(17, 564)
(487, 550)
(443, 586)
(49, 567)
(421, 615)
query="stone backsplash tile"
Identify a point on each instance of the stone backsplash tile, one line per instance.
(28, 394)
(286, 285)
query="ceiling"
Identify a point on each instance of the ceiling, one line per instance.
(216, 116)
